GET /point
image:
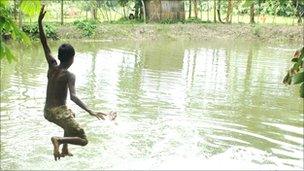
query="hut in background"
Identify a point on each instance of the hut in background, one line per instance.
(157, 10)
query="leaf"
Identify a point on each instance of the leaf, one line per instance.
(248, 3)
(30, 7)
(294, 59)
(4, 2)
(6, 52)
(298, 78)
(302, 90)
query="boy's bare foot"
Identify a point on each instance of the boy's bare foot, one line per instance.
(65, 152)
(56, 148)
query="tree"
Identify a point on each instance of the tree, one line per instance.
(144, 10)
(214, 11)
(94, 9)
(252, 13)
(61, 22)
(123, 4)
(9, 28)
(208, 8)
(219, 11)
(190, 8)
(229, 11)
(298, 4)
(195, 8)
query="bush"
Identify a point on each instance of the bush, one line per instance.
(33, 32)
(87, 26)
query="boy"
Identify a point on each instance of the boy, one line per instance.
(59, 81)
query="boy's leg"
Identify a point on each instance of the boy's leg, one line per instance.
(73, 133)
(57, 141)
(65, 151)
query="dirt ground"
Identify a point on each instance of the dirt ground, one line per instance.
(206, 31)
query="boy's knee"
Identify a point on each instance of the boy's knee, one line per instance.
(84, 142)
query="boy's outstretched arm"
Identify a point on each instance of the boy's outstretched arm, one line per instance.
(50, 59)
(74, 98)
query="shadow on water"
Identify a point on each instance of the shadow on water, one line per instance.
(191, 101)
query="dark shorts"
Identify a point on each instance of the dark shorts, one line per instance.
(64, 117)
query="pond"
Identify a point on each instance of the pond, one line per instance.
(180, 104)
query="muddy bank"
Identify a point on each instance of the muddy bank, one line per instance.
(266, 33)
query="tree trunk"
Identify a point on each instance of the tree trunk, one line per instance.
(219, 11)
(94, 10)
(229, 11)
(201, 10)
(252, 13)
(214, 11)
(61, 21)
(20, 14)
(15, 9)
(299, 17)
(124, 11)
(144, 10)
(190, 6)
(195, 8)
(208, 8)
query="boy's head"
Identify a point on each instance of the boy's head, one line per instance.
(66, 53)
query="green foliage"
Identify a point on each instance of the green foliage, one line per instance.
(270, 7)
(9, 28)
(30, 7)
(295, 74)
(87, 26)
(33, 31)
(6, 53)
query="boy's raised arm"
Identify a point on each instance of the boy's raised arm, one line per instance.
(51, 61)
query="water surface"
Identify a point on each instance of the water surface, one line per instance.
(180, 104)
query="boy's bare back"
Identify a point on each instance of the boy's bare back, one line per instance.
(57, 87)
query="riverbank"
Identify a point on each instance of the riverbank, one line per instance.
(205, 31)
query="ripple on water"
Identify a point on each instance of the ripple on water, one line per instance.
(210, 105)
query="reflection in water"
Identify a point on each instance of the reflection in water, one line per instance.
(180, 104)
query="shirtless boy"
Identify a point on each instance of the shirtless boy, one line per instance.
(59, 81)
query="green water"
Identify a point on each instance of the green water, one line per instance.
(180, 104)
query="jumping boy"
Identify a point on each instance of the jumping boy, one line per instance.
(59, 81)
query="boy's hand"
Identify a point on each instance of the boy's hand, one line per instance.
(112, 115)
(42, 13)
(99, 115)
